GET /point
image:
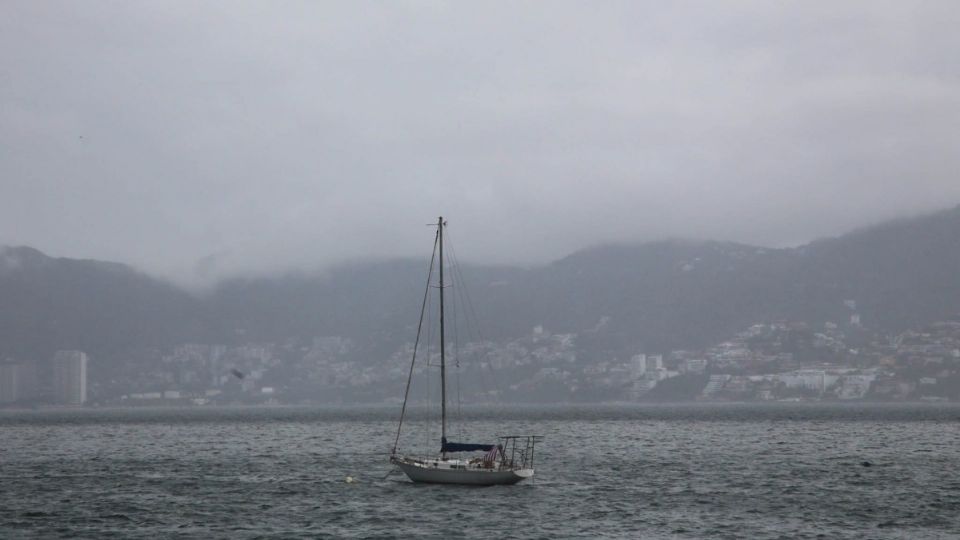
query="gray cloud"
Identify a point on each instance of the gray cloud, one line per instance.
(197, 140)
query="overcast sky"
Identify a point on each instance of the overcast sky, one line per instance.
(201, 139)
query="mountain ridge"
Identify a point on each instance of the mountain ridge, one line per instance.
(660, 295)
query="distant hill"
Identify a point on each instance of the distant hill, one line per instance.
(617, 298)
(677, 294)
(48, 304)
(903, 273)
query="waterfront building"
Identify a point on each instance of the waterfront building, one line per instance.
(654, 362)
(18, 382)
(70, 377)
(639, 362)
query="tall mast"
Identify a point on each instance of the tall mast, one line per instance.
(443, 350)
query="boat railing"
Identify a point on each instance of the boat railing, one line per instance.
(518, 451)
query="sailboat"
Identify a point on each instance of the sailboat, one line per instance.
(507, 461)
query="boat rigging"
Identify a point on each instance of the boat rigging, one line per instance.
(508, 461)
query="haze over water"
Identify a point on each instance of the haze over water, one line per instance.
(688, 471)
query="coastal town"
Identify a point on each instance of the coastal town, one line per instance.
(770, 361)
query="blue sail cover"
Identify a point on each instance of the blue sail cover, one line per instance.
(463, 447)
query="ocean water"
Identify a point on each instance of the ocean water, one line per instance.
(685, 471)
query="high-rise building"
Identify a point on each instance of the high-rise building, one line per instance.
(654, 362)
(639, 366)
(18, 382)
(70, 377)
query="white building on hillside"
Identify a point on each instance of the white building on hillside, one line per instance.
(70, 377)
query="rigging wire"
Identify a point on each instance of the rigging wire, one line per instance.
(460, 297)
(458, 275)
(423, 308)
(428, 433)
(456, 345)
(469, 311)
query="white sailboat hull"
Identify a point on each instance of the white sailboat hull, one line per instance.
(439, 472)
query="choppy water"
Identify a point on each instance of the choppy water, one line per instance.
(694, 471)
